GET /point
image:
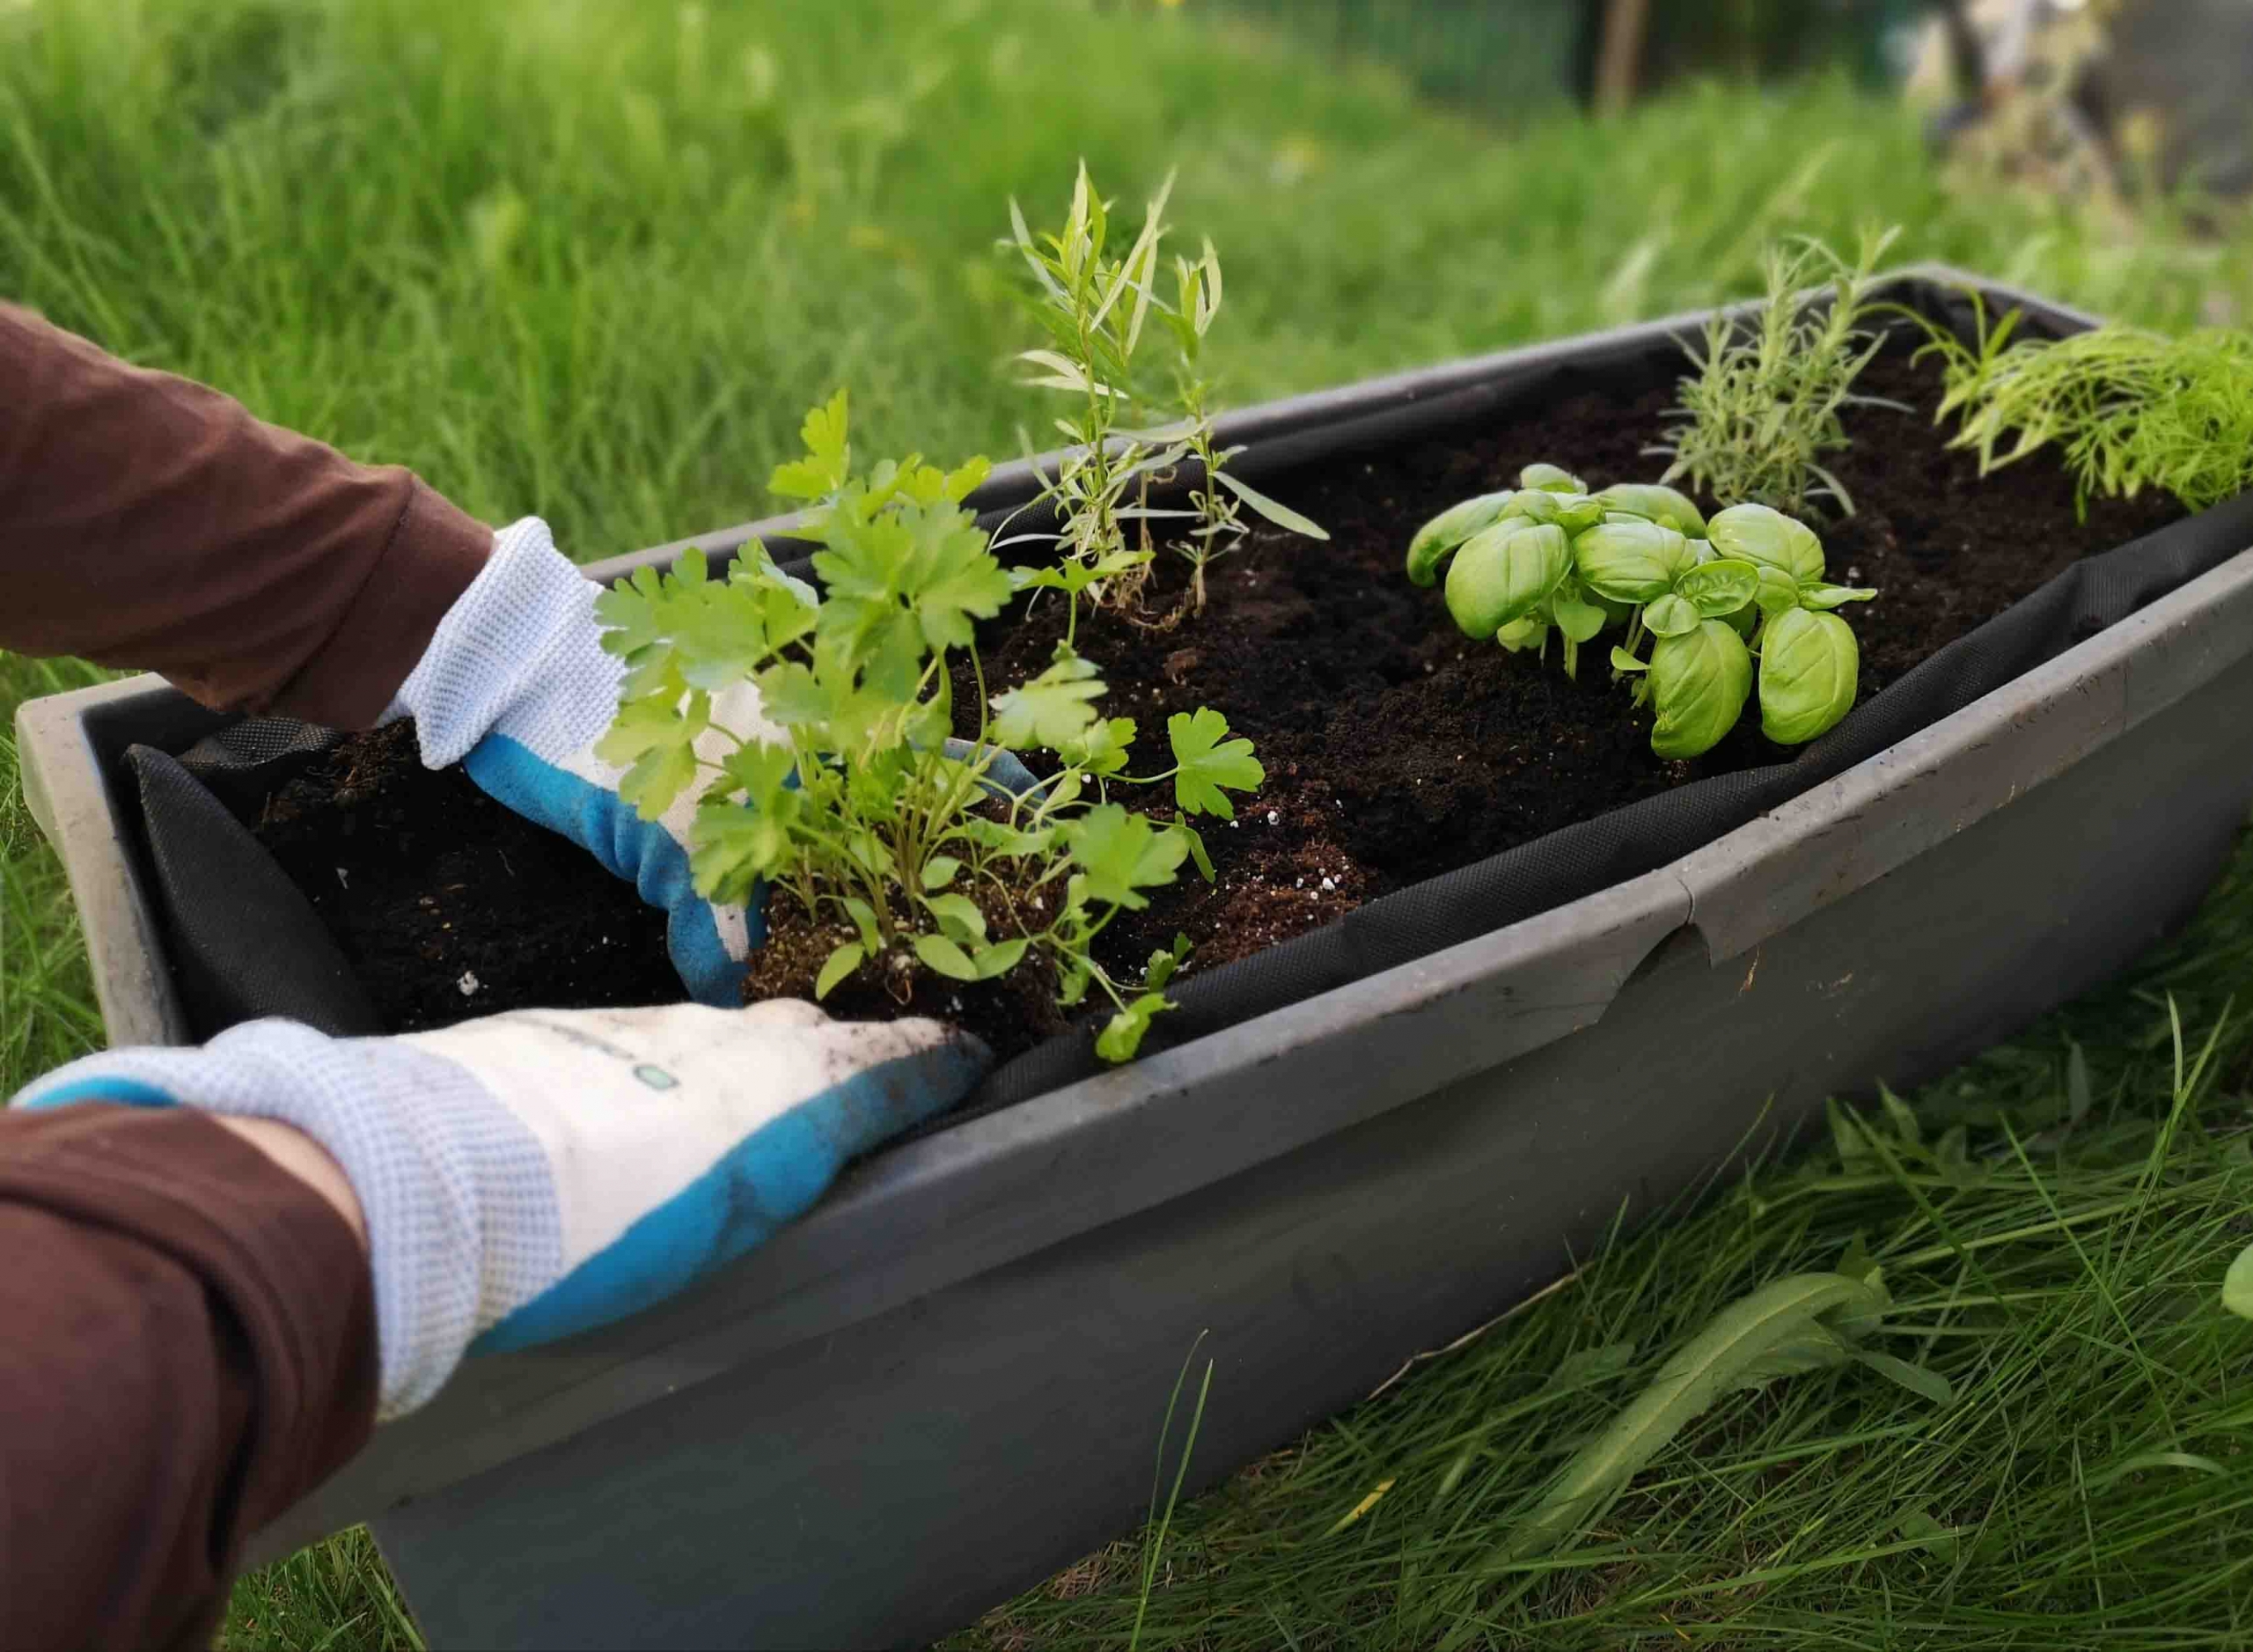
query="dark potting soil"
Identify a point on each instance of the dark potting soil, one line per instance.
(1396, 748)
(448, 905)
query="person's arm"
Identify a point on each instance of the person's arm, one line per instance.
(149, 522)
(190, 1346)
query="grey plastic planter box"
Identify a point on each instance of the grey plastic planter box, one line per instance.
(948, 1381)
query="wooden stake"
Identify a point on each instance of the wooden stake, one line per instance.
(1619, 59)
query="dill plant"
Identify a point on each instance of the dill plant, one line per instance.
(2127, 409)
(1762, 410)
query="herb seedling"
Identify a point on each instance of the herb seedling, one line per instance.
(1094, 311)
(1762, 409)
(1711, 597)
(2127, 408)
(1219, 504)
(854, 799)
(1093, 308)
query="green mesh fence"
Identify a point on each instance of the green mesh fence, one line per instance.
(1506, 57)
(1501, 55)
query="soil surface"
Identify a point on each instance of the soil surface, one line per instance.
(448, 905)
(1395, 748)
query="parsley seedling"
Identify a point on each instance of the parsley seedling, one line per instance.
(856, 799)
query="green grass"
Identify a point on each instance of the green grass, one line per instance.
(593, 258)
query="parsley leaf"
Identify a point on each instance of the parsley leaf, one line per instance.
(1209, 761)
(829, 458)
(1054, 709)
(654, 740)
(1122, 1036)
(1120, 854)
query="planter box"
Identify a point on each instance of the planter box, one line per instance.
(947, 1380)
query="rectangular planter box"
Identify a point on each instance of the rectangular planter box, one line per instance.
(947, 1380)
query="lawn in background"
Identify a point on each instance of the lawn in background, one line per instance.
(592, 258)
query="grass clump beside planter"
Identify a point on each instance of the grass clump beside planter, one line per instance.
(2053, 1222)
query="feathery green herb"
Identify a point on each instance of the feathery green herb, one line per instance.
(2127, 408)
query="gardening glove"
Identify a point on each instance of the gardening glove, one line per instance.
(515, 688)
(536, 1174)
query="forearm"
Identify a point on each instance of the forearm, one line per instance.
(149, 522)
(190, 1349)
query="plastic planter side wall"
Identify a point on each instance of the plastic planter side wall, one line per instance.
(949, 1379)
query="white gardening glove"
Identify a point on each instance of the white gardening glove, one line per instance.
(540, 1173)
(515, 688)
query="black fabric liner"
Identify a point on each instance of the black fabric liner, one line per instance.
(203, 882)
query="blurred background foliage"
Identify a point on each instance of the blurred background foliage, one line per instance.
(1508, 59)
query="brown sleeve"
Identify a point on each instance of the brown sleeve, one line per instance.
(148, 522)
(189, 1346)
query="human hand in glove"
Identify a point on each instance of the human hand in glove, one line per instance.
(515, 688)
(532, 1175)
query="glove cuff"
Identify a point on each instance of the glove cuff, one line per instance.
(462, 1215)
(520, 653)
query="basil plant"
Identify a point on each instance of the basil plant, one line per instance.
(1710, 598)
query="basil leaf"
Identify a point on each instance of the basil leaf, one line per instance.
(1699, 681)
(1438, 539)
(1629, 561)
(1778, 590)
(1549, 479)
(1521, 635)
(1825, 597)
(1754, 533)
(1718, 589)
(1671, 616)
(1577, 620)
(1810, 668)
(1505, 573)
(1656, 503)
